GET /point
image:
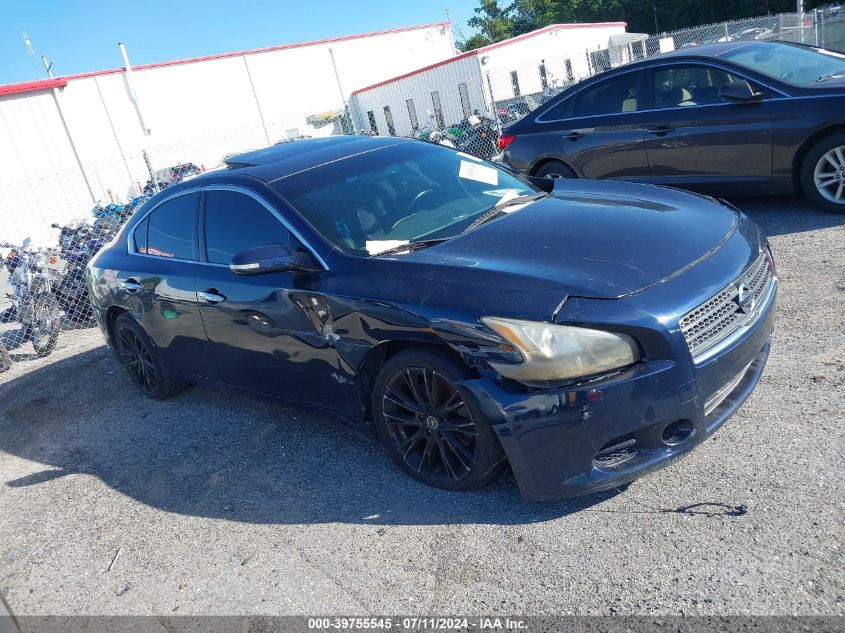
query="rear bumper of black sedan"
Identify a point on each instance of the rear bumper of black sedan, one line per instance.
(582, 440)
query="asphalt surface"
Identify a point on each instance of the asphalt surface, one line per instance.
(213, 503)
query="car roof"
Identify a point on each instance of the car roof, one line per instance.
(280, 161)
(708, 50)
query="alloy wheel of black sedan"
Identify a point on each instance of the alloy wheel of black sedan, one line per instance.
(430, 424)
(137, 360)
(427, 426)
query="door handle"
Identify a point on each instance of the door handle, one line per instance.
(212, 296)
(573, 136)
(131, 285)
(660, 130)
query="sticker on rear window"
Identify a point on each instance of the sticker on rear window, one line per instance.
(479, 173)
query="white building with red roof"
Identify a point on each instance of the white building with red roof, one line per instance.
(447, 91)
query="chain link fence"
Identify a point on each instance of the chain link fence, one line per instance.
(54, 219)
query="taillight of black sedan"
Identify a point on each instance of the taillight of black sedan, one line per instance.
(577, 333)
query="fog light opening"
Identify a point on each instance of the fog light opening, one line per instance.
(676, 432)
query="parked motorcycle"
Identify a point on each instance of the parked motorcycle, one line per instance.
(34, 304)
(480, 138)
(79, 243)
(433, 133)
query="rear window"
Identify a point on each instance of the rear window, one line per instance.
(171, 226)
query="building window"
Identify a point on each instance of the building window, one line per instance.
(438, 109)
(544, 78)
(412, 114)
(372, 117)
(389, 118)
(570, 76)
(515, 83)
(464, 93)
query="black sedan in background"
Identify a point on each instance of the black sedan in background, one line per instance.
(575, 331)
(726, 119)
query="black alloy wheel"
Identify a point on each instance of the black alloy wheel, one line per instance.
(429, 429)
(137, 360)
(142, 360)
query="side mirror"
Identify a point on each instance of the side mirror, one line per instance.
(54, 225)
(739, 92)
(274, 258)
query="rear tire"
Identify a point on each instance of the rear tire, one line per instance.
(823, 174)
(429, 428)
(555, 169)
(143, 361)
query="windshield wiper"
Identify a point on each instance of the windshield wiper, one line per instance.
(500, 207)
(833, 75)
(411, 246)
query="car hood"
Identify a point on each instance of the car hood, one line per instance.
(598, 239)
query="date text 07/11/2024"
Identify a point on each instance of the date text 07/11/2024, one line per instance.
(417, 623)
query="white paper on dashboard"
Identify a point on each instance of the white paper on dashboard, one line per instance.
(479, 173)
(374, 247)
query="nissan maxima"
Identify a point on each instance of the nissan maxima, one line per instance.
(578, 333)
(731, 118)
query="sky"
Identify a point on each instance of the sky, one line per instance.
(82, 35)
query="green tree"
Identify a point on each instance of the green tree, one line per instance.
(492, 21)
(496, 22)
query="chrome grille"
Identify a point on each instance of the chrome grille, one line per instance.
(720, 316)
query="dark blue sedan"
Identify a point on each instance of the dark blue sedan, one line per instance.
(731, 118)
(580, 333)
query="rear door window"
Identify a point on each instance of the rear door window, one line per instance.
(171, 231)
(235, 222)
(613, 96)
(691, 85)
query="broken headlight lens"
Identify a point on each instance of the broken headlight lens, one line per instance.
(561, 352)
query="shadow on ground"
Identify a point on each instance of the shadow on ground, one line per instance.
(213, 454)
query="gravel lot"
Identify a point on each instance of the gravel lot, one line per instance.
(214, 503)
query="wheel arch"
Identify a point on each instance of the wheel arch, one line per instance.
(804, 149)
(379, 354)
(112, 313)
(545, 160)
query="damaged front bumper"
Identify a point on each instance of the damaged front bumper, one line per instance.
(580, 440)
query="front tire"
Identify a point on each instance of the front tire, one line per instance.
(823, 174)
(142, 360)
(43, 330)
(429, 428)
(555, 169)
(5, 359)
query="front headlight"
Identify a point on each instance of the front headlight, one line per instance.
(560, 352)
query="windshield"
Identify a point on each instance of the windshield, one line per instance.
(796, 65)
(407, 192)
